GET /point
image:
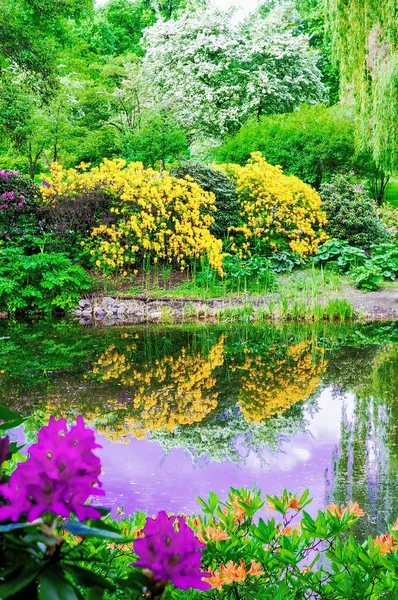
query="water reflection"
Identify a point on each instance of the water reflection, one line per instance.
(206, 408)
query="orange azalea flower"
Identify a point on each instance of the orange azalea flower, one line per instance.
(294, 504)
(271, 506)
(255, 569)
(138, 533)
(395, 526)
(355, 509)
(239, 512)
(216, 579)
(213, 534)
(336, 510)
(234, 572)
(195, 523)
(386, 542)
(289, 530)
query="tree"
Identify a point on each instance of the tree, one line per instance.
(157, 139)
(311, 21)
(31, 32)
(216, 73)
(365, 39)
(312, 143)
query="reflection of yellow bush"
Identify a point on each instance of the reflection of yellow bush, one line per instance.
(270, 388)
(173, 391)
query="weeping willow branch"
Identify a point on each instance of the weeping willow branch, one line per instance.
(365, 43)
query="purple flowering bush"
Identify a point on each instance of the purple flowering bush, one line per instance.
(19, 208)
(54, 544)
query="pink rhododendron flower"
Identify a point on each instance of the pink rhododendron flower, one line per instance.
(171, 555)
(59, 476)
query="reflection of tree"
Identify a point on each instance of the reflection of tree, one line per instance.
(366, 467)
(232, 438)
(273, 383)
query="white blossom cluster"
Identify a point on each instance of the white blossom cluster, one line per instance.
(215, 73)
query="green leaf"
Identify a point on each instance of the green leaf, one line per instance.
(87, 531)
(52, 586)
(6, 414)
(21, 578)
(85, 578)
(12, 526)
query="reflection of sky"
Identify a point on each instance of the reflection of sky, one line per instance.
(140, 476)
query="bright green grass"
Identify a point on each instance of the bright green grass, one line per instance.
(391, 194)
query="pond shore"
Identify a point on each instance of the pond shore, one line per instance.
(122, 308)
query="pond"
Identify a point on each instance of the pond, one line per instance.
(183, 410)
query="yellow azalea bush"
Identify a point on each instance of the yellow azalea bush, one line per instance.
(173, 391)
(270, 388)
(156, 217)
(277, 211)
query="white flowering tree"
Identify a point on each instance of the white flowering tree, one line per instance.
(216, 73)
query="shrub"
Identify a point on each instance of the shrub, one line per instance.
(18, 205)
(42, 282)
(214, 180)
(74, 202)
(351, 214)
(340, 255)
(155, 217)
(277, 212)
(368, 277)
(389, 218)
(312, 143)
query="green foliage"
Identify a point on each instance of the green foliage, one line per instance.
(368, 270)
(157, 139)
(254, 274)
(368, 277)
(351, 213)
(312, 143)
(385, 256)
(214, 180)
(340, 255)
(339, 310)
(31, 34)
(389, 217)
(312, 22)
(41, 282)
(365, 38)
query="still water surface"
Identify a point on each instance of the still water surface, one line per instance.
(180, 411)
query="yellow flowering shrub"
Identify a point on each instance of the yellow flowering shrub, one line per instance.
(157, 217)
(277, 211)
(270, 388)
(173, 391)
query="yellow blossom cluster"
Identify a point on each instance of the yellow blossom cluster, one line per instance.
(271, 388)
(277, 211)
(158, 218)
(168, 393)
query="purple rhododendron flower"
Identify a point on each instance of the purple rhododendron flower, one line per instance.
(59, 476)
(46, 184)
(4, 449)
(171, 555)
